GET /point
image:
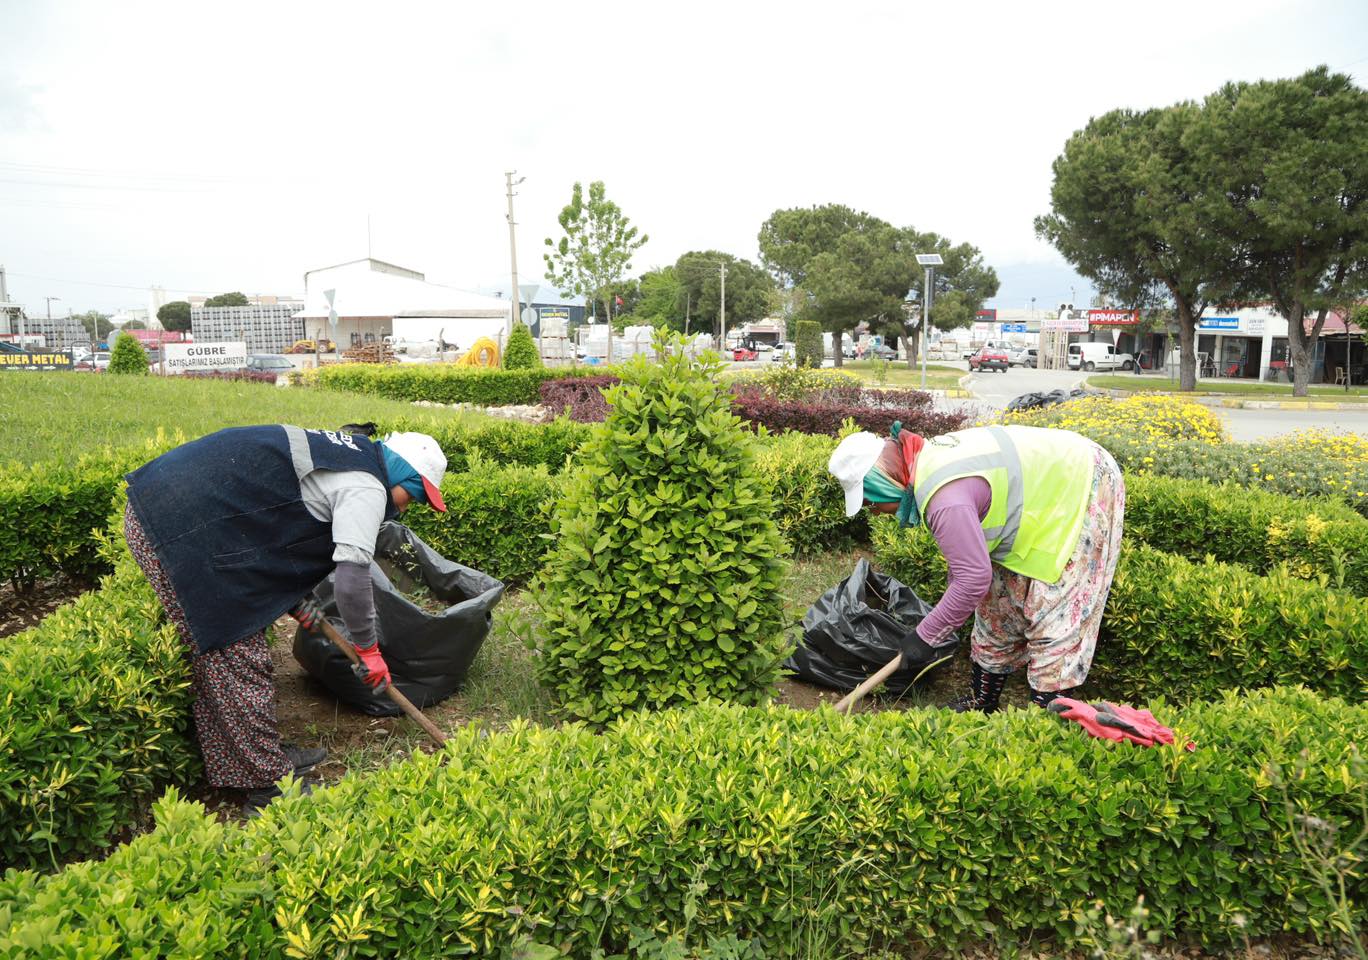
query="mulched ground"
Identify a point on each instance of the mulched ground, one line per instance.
(19, 611)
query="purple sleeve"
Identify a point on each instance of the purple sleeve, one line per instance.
(955, 518)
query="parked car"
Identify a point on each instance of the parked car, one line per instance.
(782, 352)
(745, 353)
(270, 363)
(1016, 356)
(884, 352)
(101, 361)
(989, 358)
(1098, 356)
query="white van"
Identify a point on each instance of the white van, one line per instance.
(1098, 356)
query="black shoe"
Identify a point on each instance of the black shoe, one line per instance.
(258, 800)
(304, 758)
(985, 692)
(1043, 698)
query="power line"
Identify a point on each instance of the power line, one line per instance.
(113, 286)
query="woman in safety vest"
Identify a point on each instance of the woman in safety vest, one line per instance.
(1029, 521)
(232, 530)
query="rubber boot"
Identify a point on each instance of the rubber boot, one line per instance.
(985, 692)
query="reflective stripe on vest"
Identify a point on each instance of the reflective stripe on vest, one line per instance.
(1002, 535)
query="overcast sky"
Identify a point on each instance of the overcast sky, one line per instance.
(163, 143)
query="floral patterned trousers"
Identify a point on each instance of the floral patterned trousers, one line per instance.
(1051, 628)
(234, 688)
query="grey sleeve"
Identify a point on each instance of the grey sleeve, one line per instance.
(356, 602)
(354, 503)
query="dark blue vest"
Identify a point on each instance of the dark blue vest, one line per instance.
(227, 520)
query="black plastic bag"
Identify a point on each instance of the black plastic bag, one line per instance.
(428, 653)
(1029, 401)
(857, 626)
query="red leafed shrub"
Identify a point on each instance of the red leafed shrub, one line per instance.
(581, 397)
(871, 411)
(259, 376)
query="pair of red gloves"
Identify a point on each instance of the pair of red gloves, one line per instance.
(1112, 721)
(372, 669)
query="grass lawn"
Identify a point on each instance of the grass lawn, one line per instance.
(56, 417)
(938, 376)
(1234, 387)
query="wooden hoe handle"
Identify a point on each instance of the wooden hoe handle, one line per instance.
(405, 704)
(860, 692)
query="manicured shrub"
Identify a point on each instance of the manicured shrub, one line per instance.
(1157, 417)
(581, 398)
(94, 721)
(496, 519)
(521, 352)
(923, 829)
(809, 506)
(1186, 630)
(503, 442)
(663, 582)
(442, 382)
(783, 382)
(807, 343)
(128, 357)
(828, 416)
(1253, 528)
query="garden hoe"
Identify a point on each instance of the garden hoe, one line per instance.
(403, 702)
(887, 670)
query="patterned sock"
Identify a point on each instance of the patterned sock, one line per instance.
(1043, 698)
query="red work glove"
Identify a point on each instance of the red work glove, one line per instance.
(373, 670)
(1111, 721)
(308, 613)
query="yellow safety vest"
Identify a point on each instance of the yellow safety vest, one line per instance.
(1041, 481)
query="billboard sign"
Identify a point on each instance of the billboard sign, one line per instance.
(1113, 318)
(1219, 323)
(181, 357)
(1014, 328)
(1065, 324)
(35, 360)
(985, 316)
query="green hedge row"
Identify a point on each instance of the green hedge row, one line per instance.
(922, 829)
(446, 383)
(1253, 528)
(94, 720)
(1191, 630)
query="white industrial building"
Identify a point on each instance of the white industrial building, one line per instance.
(374, 299)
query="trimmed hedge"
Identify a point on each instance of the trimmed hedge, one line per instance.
(445, 383)
(95, 720)
(827, 416)
(807, 343)
(809, 505)
(579, 398)
(922, 829)
(1189, 631)
(521, 352)
(1252, 528)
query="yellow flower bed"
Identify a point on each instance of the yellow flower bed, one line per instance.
(1341, 447)
(1152, 418)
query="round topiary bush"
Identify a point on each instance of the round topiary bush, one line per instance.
(807, 343)
(521, 352)
(128, 356)
(663, 584)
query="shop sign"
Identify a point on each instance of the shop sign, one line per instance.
(1065, 324)
(181, 357)
(1113, 318)
(35, 360)
(1014, 328)
(1219, 323)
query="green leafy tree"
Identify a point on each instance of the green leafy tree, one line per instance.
(748, 288)
(596, 249)
(96, 324)
(134, 325)
(234, 299)
(174, 316)
(962, 284)
(807, 345)
(521, 352)
(789, 239)
(128, 357)
(664, 584)
(1132, 200)
(662, 299)
(1291, 158)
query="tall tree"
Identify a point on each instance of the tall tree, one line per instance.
(1292, 156)
(596, 249)
(700, 276)
(789, 239)
(662, 300)
(174, 315)
(96, 324)
(234, 299)
(1130, 195)
(962, 283)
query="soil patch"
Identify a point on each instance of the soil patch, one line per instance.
(19, 611)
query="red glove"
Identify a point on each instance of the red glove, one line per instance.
(308, 613)
(373, 670)
(1111, 721)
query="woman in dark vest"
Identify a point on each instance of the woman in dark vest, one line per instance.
(232, 530)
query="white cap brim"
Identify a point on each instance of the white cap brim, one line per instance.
(850, 462)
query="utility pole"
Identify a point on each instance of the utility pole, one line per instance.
(516, 309)
(49, 316)
(722, 304)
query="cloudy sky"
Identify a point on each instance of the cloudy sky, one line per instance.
(209, 147)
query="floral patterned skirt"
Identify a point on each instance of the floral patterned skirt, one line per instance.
(1051, 628)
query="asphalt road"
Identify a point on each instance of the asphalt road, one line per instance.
(992, 392)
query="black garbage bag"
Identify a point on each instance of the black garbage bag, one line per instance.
(857, 626)
(1029, 401)
(428, 653)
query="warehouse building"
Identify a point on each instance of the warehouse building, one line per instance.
(264, 327)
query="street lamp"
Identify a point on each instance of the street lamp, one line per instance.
(929, 261)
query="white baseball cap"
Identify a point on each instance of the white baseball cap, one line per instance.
(850, 462)
(426, 456)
